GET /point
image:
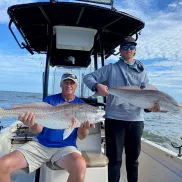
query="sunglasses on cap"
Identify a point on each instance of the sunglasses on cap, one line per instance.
(126, 47)
(66, 75)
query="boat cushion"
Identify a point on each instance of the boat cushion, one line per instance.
(92, 160)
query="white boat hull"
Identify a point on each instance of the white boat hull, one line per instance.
(156, 164)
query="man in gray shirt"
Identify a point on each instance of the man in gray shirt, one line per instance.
(124, 122)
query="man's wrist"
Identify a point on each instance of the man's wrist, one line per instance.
(94, 87)
(85, 132)
(32, 126)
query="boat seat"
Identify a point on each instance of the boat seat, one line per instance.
(92, 160)
(96, 161)
(91, 150)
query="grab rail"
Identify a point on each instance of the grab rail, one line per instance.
(178, 147)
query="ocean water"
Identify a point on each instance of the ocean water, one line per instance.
(9, 98)
(161, 128)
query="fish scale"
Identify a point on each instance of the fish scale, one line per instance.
(145, 98)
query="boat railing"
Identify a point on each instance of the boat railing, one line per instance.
(1, 126)
(179, 148)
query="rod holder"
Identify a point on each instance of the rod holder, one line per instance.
(179, 148)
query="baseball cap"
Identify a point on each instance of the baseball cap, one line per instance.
(70, 76)
(128, 40)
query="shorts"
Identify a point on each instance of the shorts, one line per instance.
(36, 154)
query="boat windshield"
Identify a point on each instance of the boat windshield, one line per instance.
(82, 91)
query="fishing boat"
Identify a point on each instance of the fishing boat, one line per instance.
(78, 37)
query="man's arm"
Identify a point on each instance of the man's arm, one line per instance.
(83, 131)
(99, 76)
(36, 128)
(28, 119)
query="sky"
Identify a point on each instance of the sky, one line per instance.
(159, 47)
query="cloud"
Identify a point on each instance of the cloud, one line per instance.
(172, 63)
(14, 68)
(160, 40)
(175, 6)
(26, 62)
(4, 4)
(23, 73)
(163, 25)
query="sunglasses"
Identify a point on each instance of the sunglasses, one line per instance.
(126, 47)
(66, 75)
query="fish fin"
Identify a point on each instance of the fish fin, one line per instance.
(34, 104)
(180, 108)
(165, 111)
(136, 87)
(150, 87)
(119, 101)
(65, 103)
(96, 94)
(131, 87)
(67, 133)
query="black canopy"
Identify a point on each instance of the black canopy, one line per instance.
(33, 20)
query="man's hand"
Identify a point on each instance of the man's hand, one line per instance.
(102, 89)
(27, 119)
(83, 129)
(86, 125)
(155, 108)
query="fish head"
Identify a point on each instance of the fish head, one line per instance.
(89, 113)
(170, 104)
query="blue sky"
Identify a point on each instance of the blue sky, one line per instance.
(159, 47)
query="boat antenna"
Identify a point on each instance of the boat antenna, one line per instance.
(53, 1)
(105, 2)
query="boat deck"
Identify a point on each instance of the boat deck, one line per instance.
(123, 176)
(156, 163)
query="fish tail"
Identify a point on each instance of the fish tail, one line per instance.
(180, 108)
(2, 113)
(67, 133)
